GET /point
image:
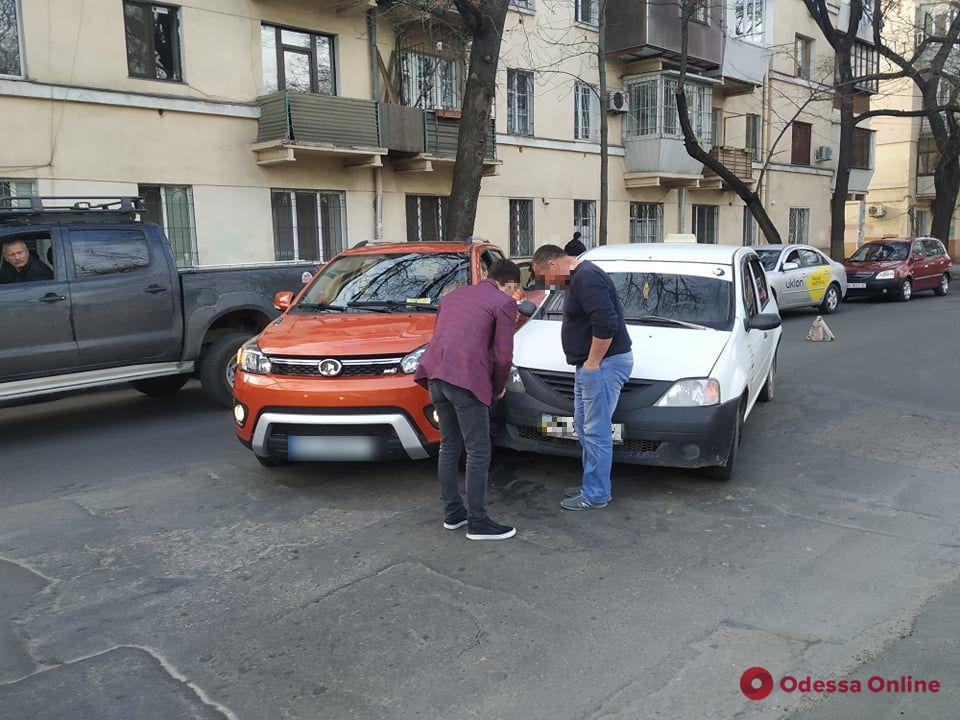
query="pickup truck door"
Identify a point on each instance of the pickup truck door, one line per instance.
(36, 336)
(124, 292)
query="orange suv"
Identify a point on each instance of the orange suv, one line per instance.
(332, 378)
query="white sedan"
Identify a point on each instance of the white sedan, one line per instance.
(705, 330)
(802, 276)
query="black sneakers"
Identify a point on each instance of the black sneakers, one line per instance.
(455, 521)
(489, 530)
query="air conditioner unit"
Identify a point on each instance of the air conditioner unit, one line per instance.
(618, 101)
(823, 153)
(876, 211)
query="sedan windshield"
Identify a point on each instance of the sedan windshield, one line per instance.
(665, 299)
(386, 282)
(768, 257)
(885, 252)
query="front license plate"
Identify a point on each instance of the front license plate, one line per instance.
(562, 427)
(331, 448)
(856, 286)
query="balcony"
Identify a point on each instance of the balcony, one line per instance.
(659, 161)
(638, 29)
(926, 188)
(294, 125)
(737, 160)
(744, 65)
(437, 143)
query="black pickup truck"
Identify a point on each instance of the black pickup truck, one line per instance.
(100, 301)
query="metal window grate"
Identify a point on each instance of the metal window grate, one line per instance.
(799, 226)
(646, 222)
(586, 112)
(519, 102)
(706, 222)
(585, 221)
(430, 82)
(588, 12)
(425, 218)
(748, 19)
(521, 227)
(307, 224)
(171, 208)
(15, 193)
(749, 228)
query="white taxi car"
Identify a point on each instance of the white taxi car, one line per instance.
(802, 276)
(705, 330)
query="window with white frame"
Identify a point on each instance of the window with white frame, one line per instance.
(521, 227)
(297, 60)
(425, 218)
(16, 192)
(799, 226)
(585, 221)
(716, 125)
(307, 224)
(430, 82)
(706, 223)
(699, 108)
(752, 143)
(588, 11)
(523, 5)
(921, 222)
(646, 222)
(586, 112)
(653, 108)
(11, 62)
(644, 108)
(153, 40)
(519, 102)
(802, 56)
(748, 19)
(171, 208)
(700, 12)
(865, 63)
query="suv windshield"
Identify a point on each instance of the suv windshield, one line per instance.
(665, 299)
(877, 252)
(401, 281)
(768, 257)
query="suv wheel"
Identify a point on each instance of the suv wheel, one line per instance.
(944, 287)
(218, 365)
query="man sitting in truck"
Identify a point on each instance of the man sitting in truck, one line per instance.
(20, 265)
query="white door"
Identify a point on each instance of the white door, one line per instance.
(753, 339)
(794, 281)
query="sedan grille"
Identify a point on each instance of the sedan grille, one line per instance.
(354, 367)
(859, 275)
(562, 383)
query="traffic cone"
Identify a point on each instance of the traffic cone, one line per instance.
(820, 332)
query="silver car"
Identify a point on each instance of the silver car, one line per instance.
(802, 276)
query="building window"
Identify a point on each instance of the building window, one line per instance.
(170, 207)
(16, 193)
(522, 5)
(587, 12)
(425, 218)
(865, 62)
(861, 146)
(297, 60)
(700, 12)
(519, 102)
(706, 223)
(921, 222)
(10, 63)
(748, 19)
(307, 224)
(716, 125)
(585, 221)
(927, 156)
(802, 51)
(799, 226)
(749, 228)
(429, 81)
(153, 40)
(753, 137)
(646, 222)
(521, 228)
(800, 147)
(653, 109)
(586, 112)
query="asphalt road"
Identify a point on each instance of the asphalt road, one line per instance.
(150, 568)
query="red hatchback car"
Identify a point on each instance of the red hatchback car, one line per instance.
(898, 268)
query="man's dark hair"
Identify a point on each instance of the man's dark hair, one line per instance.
(577, 235)
(546, 253)
(503, 272)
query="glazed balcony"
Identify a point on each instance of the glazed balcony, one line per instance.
(639, 29)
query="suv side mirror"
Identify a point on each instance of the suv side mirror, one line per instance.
(764, 321)
(791, 266)
(526, 308)
(283, 300)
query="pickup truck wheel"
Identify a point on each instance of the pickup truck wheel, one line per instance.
(217, 367)
(160, 386)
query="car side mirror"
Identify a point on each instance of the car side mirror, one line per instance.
(283, 300)
(526, 308)
(791, 266)
(764, 321)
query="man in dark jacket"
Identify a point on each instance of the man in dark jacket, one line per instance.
(465, 369)
(575, 247)
(595, 341)
(20, 265)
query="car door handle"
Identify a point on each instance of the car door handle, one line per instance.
(154, 289)
(52, 298)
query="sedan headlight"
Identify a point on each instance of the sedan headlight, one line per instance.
(250, 359)
(410, 362)
(886, 275)
(514, 382)
(699, 392)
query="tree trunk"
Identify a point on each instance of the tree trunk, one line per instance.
(946, 179)
(604, 130)
(486, 26)
(838, 202)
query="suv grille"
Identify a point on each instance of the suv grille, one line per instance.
(562, 383)
(634, 447)
(359, 367)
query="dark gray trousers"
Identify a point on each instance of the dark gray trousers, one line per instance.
(464, 423)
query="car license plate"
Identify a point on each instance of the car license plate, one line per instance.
(343, 448)
(562, 427)
(856, 286)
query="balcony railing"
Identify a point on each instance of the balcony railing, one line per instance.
(737, 160)
(442, 135)
(339, 122)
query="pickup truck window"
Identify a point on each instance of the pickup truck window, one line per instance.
(104, 252)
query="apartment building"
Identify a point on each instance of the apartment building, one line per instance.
(262, 130)
(903, 187)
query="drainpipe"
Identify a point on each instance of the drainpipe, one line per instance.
(375, 90)
(378, 203)
(681, 209)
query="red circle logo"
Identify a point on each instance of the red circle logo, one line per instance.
(756, 683)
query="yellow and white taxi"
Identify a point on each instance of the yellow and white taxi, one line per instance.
(801, 276)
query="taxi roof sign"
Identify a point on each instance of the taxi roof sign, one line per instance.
(684, 238)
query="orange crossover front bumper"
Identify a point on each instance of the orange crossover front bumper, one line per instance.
(344, 418)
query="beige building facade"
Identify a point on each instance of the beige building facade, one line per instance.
(264, 130)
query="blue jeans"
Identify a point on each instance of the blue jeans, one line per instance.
(595, 396)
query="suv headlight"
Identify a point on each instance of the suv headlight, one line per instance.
(886, 275)
(250, 359)
(514, 382)
(410, 362)
(699, 392)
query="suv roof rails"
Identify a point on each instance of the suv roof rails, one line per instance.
(74, 208)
